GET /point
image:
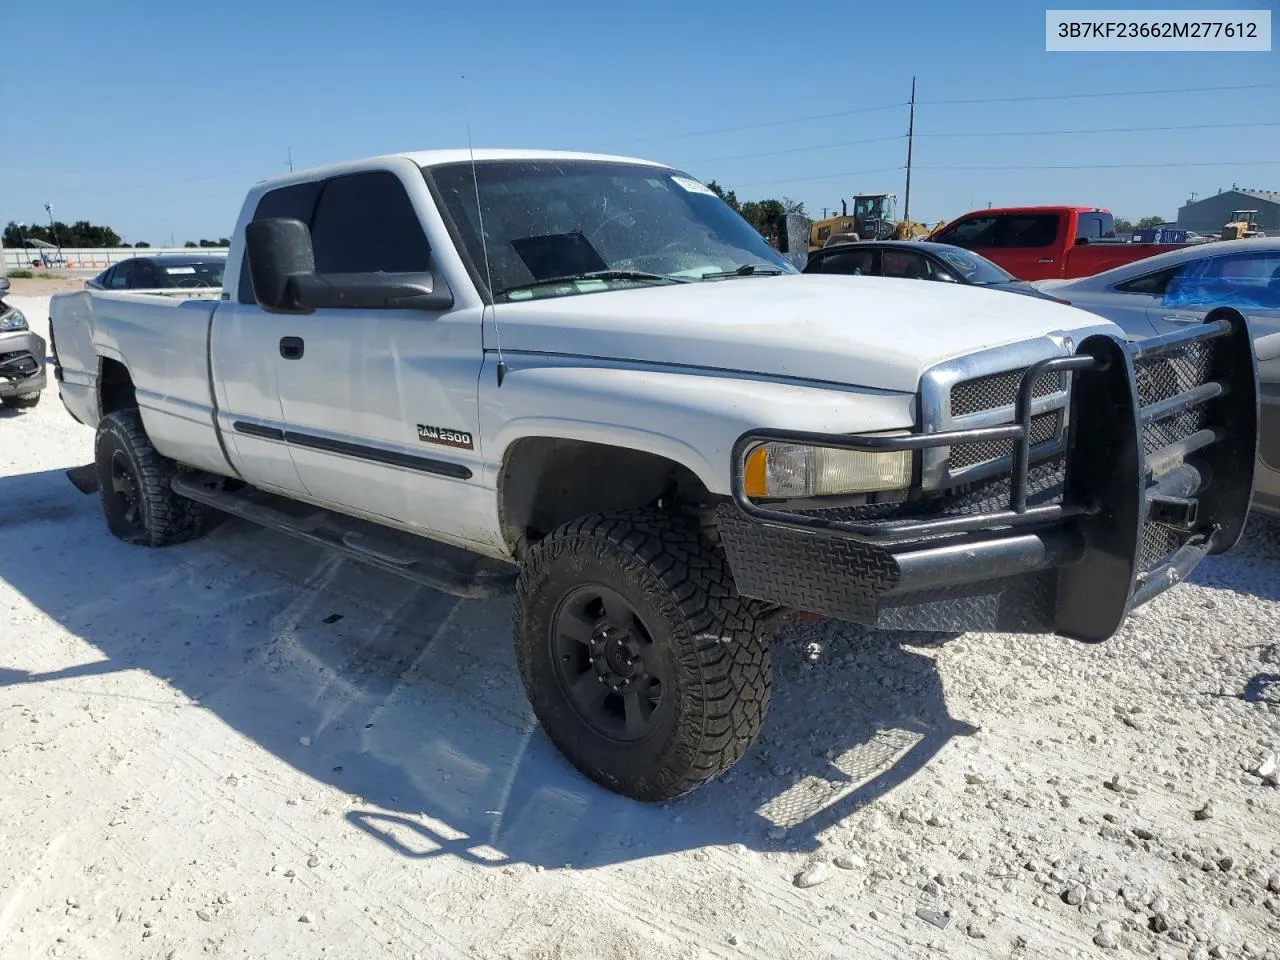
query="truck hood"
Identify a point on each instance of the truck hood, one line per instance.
(870, 332)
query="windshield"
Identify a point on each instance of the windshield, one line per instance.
(193, 273)
(562, 227)
(975, 269)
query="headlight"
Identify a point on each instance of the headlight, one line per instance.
(793, 470)
(13, 320)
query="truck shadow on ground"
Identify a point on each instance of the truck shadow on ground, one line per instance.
(1252, 567)
(409, 700)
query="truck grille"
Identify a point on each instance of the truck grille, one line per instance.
(997, 390)
(18, 365)
(1044, 427)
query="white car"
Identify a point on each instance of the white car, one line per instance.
(1174, 290)
(588, 379)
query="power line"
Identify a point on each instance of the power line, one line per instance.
(825, 176)
(759, 126)
(1107, 93)
(821, 146)
(1089, 130)
(977, 100)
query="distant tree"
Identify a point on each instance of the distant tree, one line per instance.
(190, 243)
(126, 246)
(1123, 225)
(141, 244)
(82, 233)
(762, 214)
(1148, 223)
(731, 198)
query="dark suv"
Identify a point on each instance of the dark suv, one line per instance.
(21, 356)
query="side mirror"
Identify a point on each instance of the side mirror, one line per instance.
(1081, 241)
(280, 255)
(793, 237)
(282, 266)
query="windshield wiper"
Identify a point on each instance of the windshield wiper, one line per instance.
(598, 275)
(746, 270)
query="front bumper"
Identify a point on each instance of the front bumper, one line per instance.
(1156, 475)
(22, 366)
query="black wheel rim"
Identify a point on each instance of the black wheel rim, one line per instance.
(608, 666)
(126, 490)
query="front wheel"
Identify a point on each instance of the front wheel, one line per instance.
(643, 664)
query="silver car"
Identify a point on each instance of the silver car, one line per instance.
(1166, 292)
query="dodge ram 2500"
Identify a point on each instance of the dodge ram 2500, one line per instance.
(585, 381)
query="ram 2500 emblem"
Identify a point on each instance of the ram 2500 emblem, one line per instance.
(448, 438)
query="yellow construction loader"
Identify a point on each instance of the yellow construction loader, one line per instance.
(1242, 225)
(873, 218)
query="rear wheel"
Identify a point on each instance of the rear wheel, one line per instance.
(133, 479)
(644, 666)
(22, 400)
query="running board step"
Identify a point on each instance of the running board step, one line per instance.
(440, 566)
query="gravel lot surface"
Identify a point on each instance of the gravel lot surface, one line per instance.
(243, 747)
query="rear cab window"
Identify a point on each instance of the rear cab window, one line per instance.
(1095, 226)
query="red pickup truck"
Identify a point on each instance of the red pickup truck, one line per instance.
(1040, 243)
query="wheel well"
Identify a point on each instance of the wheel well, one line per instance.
(546, 482)
(115, 387)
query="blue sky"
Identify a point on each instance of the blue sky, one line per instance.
(153, 118)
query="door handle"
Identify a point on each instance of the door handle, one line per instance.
(1179, 318)
(1046, 259)
(291, 348)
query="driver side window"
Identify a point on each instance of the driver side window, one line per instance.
(1246, 280)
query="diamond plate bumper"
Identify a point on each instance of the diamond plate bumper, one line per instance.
(1157, 474)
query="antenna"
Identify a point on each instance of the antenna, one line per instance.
(484, 243)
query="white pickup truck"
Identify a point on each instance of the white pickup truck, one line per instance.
(586, 379)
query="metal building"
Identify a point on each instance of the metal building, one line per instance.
(1207, 215)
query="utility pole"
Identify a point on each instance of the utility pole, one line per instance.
(290, 160)
(911, 130)
(824, 213)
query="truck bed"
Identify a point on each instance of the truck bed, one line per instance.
(165, 338)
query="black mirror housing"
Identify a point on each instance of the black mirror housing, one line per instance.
(282, 266)
(279, 253)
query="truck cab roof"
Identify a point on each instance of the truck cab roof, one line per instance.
(432, 158)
